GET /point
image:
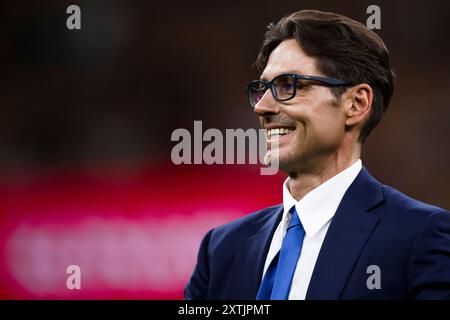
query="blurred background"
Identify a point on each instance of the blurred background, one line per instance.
(87, 115)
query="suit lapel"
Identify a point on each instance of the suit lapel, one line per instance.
(349, 231)
(249, 258)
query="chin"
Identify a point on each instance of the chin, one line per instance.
(288, 158)
(282, 165)
(289, 163)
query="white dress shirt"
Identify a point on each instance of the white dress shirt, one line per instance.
(315, 210)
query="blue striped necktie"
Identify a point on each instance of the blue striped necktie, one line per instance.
(276, 283)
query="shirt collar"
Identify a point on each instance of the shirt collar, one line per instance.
(319, 205)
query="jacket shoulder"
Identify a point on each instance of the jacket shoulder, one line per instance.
(401, 203)
(406, 216)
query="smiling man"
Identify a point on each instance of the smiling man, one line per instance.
(339, 233)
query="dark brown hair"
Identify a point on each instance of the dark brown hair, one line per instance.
(343, 48)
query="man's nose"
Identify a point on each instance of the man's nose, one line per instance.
(267, 105)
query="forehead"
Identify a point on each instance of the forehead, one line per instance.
(289, 57)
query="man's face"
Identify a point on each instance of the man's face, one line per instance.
(316, 121)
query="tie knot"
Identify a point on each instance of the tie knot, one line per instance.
(295, 220)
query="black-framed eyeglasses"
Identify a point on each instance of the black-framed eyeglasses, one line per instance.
(284, 87)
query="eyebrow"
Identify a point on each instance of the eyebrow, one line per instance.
(290, 71)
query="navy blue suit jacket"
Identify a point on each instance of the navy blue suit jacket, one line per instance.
(374, 225)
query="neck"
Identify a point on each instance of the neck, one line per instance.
(303, 181)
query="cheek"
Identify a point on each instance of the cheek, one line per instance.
(325, 127)
(317, 120)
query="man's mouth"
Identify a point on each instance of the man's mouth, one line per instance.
(278, 132)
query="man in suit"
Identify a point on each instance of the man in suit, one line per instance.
(339, 234)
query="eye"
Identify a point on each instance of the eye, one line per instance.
(300, 84)
(284, 84)
(287, 86)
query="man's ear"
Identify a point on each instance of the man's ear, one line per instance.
(360, 98)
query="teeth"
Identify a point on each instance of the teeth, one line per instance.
(280, 131)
